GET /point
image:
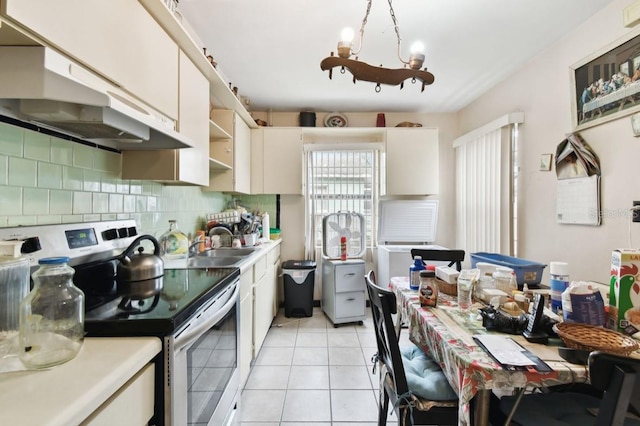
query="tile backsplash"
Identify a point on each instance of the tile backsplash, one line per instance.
(48, 180)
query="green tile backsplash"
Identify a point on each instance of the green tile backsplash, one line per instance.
(47, 180)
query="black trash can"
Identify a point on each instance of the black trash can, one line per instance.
(298, 278)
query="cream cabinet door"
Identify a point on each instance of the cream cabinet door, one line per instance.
(412, 158)
(246, 326)
(282, 160)
(188, 165)
(116, 38)
(242, 156)
(193, 122)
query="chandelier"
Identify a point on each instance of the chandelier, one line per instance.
(379, 75)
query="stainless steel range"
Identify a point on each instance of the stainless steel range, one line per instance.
(194, 312)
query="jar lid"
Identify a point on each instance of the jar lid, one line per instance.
(427, 273)
(53, 260)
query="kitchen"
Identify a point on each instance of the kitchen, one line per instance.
(52, 180)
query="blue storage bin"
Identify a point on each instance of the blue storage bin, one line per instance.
(527, 271)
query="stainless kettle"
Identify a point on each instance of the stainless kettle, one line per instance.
(140, 266)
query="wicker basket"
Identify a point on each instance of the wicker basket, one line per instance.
(446, 288)
(592, 338)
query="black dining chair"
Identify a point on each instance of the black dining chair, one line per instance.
(616, 378)
(414, 383)
(454, 257)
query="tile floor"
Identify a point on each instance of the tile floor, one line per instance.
(309, 373)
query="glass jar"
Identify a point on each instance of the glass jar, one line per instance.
(174, 244)
(51, 316)
(428, 293)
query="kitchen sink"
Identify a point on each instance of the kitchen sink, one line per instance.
(214, 262)
(228, 252)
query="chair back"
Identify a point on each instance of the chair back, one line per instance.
(383, 305)
(619, 378)
(452, 256)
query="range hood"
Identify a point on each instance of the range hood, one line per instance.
(43, 87)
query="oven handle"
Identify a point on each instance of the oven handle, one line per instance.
(189, 336)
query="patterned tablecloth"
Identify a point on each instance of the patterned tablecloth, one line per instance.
(447, 336)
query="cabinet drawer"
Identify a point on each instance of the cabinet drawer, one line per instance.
(349, 278)
(131, 404)
(350, 304)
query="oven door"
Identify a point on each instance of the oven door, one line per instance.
(203, 378)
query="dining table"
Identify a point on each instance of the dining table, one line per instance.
(446, 334)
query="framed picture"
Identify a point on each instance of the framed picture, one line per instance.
(545, 162)
(606, 85)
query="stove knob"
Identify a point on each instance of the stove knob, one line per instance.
(110, 234)
(132, 231)
(123, 233)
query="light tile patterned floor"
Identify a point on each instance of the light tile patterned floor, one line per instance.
(309, 373)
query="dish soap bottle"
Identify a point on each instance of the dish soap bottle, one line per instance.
(174, 244)
(51, 316)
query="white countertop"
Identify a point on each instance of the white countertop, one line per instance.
(68, 393)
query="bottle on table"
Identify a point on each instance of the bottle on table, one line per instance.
(414, 272)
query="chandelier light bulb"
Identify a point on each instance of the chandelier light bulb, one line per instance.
(417, 48)
(346, 36)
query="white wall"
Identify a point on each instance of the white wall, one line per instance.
(542, 90)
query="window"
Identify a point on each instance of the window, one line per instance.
(340, 180)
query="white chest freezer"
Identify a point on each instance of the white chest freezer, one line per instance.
(402, 226)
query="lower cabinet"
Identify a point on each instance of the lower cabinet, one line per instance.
(258, 307)
(343, 289)
(132, 404)
(246, 326)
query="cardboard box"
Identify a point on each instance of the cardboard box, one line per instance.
(624, 291)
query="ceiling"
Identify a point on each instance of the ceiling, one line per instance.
(271, 50)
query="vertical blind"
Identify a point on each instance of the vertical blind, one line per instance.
(485, 185)
(339, 180)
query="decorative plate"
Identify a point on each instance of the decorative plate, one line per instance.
(335, 119)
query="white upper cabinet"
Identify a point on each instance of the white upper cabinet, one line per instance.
(281, 160)
(188, 165)
(412, 158)
(117, 39)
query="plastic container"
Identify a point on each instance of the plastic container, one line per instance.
(414, 272)
(504, 279)
(14, 286)
(274, 233)
(559, 282)
(174, 244)
(298, 278)
(51, 316)
(526, 271)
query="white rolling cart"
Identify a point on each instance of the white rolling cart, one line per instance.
(343, 286)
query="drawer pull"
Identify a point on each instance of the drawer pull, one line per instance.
(350, 274)
(351, 299)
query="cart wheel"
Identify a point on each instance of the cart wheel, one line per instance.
(360, 323)
(335, 325)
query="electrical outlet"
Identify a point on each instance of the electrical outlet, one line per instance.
(635, 214)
